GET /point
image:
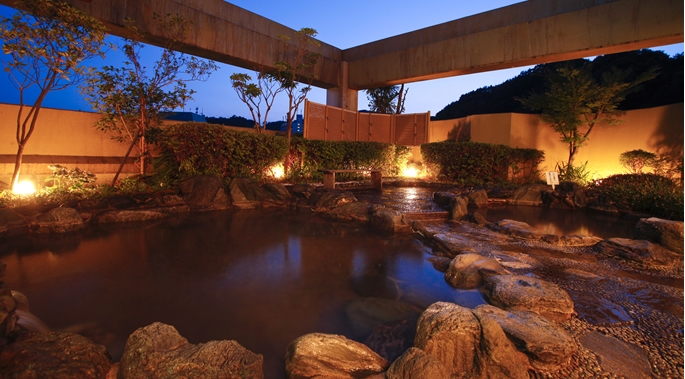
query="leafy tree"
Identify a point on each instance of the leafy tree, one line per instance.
(636, 160)
(387, 100)
(134, 102)
(257, 96)
(297, 68)
(45, 44)
(575, 101)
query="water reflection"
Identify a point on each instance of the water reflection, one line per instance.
(551, 221)
(563, 222)
(261, 278)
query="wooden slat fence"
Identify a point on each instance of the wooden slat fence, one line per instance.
(324, 122)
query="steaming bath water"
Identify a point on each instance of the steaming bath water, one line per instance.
(261, 278)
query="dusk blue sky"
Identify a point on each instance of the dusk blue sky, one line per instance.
(341, 24)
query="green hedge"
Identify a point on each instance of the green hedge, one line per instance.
(306, 157)
(189, 149)
(651, 193)
(477, 163)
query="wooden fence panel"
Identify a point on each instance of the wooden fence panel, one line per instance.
(334, 124)
(381, 128)
(349, 125)
(330, 123)
(314, 121)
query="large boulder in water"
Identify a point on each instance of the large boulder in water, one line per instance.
(354, 211)
(390, 220)
(11, 222)
(53, 355)
(639, 252)
(416, 364)
(325, 200)
(443, 198)
(246, 193)
(319, 355)
(521, 229)
(204, 193)
(158, 351)
(520, 292)
(477, 199)
(451, 334)
(458, 207)
(499, 358)
(365, 313)
(276, 195)
(464, 270)
(548, 345)
(567, 195)
(57, 220)
(530, 194)
(392, 339)
(665, 232)
(118, 216)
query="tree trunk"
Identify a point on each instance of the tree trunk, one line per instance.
(17, 166)
(123, 162)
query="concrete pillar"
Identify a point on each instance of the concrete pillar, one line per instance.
(342, 96)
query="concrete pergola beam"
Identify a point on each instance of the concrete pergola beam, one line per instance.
(528, 33)
(221, 31)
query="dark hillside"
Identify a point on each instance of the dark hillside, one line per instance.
(666, 88)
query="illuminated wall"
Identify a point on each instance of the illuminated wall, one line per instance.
(658, 130)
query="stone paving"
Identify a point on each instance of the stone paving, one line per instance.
(628, 320)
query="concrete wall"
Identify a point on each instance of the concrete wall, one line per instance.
(63, 137)
(658, 130)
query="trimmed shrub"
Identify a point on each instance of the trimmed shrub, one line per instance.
(650, 193)
(478, 163)
(189, 149)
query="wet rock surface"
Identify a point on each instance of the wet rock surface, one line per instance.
(465, 270)
(319, 355)
(638, 252)
(58, 220)
(521, 292)
(158, 351)
(451, 334)
(53, 355)
(664, 232)
(415, 364)
(547, 344)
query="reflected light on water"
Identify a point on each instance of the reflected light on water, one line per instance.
(411, 193)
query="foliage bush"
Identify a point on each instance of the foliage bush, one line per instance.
(636, 160)
(189, 149)
(650, 193)
(306, 157)
(477, 163)
(574, 174)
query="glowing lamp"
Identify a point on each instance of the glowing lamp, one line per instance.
(410, 172)
(25, 187)
(277, 171)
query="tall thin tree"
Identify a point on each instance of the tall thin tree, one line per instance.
(45, 46)
(132, 100)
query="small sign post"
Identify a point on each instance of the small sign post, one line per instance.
(552, 178)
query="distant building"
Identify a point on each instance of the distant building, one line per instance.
(298, 125)
(186, 117)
